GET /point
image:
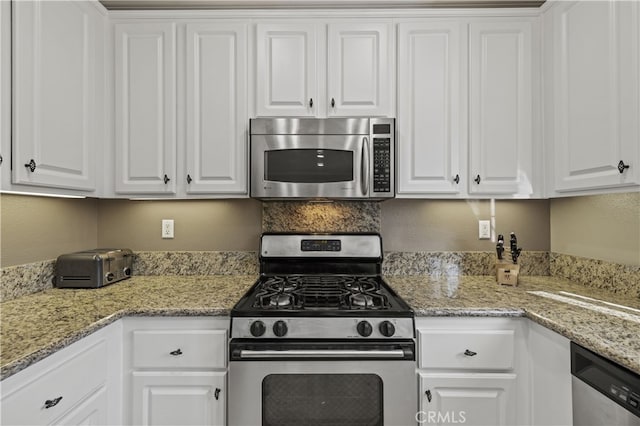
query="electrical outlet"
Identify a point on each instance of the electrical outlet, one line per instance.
(167, 228)
(484, 229)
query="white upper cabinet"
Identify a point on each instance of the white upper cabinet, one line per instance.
(431, 136)
(466, 109)
(286, 80)
(216, 108)
(145, 108)
(315, 69)
(360, 63)
(56, 93)
(595, 101)
(501, 108)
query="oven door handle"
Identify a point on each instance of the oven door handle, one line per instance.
(321, 353)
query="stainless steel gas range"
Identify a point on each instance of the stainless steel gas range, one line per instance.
(321, 339)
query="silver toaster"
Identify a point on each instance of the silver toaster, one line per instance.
(92, 268)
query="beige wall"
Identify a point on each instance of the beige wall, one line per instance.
(41, 228)
(452, 225)
(198, 224)
(605, 227)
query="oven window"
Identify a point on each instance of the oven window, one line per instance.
(308, 165)
(322, 400)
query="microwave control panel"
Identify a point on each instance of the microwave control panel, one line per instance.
(381, 165)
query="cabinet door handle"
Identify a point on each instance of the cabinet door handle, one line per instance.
(467, 352)
(216, 393)
(31, 165)
(166, 179)
(1, 159)
(49, 403)
(457, 179)
(177, 352)
(428, 393)
(189, 180)
(477, 180)
(310, 102)
(333, 103)
(622, 167)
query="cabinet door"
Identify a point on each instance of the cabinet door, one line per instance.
(216, 113)
(286, 69)
(430, 132)
(360, 63)
(500, 108)
(469, 398)
(179, 398)
(145, 108)
(55, 93)
(596, 94)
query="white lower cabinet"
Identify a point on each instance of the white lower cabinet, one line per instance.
(468, 398)
(79, 385)
(473, 371)
(179, 398)
(175, 371)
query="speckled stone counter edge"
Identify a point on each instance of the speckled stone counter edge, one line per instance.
(14, 367)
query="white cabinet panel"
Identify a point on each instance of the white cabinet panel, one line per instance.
(468, 398)
(500, 108)
(5, 94)
(315, 69)
(55, 93)
(145, 108)
(596, 94)
(216, 116)
(80, 384)
(359, 69)
(179, 398)
(431, 136)
(286, 69)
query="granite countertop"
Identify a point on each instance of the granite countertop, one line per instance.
(34, 326)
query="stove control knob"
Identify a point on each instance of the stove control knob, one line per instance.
(109, 276)
(364, 328)
(257, 328)
(126, 272)
(280, 328)
(387, 329)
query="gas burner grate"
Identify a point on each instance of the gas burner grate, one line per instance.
(301, 292)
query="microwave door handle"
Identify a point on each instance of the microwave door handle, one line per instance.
(364, 175)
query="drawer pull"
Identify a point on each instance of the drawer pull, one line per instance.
(428, 393)
(467, 352)
(52, 402)
(216, 394)
(177, 352)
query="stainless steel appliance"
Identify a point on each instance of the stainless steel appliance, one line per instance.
(92, 268)
(321, 339)
(333, 158)
(604, 393)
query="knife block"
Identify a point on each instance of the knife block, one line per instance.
(507, 273)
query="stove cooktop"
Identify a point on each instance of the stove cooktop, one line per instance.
(321, 295)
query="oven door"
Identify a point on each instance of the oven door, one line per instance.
(310, 166)
(318, 383)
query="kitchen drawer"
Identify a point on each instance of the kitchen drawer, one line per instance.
(466, 349)
(180, 349)
(69, 382)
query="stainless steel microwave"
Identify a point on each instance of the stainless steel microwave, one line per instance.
(323, 158)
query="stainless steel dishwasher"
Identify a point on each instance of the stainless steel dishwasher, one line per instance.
(604, 393)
